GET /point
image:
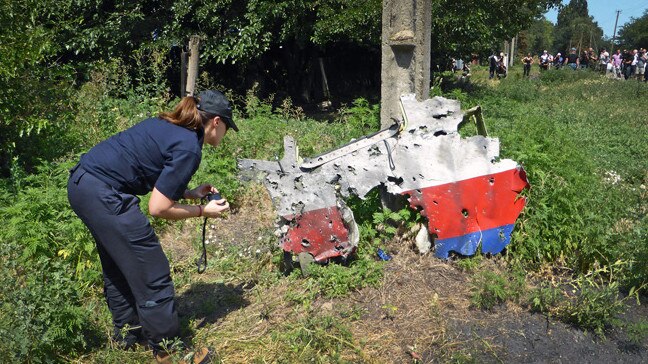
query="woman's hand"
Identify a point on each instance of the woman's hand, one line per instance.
(200, 191)
(215, 208)
(163, 207)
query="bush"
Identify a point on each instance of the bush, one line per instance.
(44, 226)
(41, 315)
(48, 265)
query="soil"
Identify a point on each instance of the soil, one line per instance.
(421, 313)
(434, 322)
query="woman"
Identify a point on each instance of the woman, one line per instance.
(528, 61)
(617, 59)
(158, 155)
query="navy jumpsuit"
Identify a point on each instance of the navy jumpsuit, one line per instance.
(103, 190)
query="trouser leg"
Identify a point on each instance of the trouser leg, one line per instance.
(120, 300)
(136, 272)
(146, 268)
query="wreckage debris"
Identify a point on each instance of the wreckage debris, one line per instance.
(469, 197)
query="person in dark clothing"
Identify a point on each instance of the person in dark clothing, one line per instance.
(628, 69)
(572, 59)
(528, 61)
(493, 61)
(584, 60)
(158, 155)
(558, 61)
(644, 53)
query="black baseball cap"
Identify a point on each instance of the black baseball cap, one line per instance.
(214, 102)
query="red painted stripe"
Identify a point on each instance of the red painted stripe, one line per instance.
(319, 232)
(470, 205)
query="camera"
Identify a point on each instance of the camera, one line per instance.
(214, 196)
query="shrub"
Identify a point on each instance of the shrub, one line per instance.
(42, 318)
(42, 223)
(638, 331)
(48, 264)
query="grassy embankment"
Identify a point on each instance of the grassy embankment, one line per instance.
(580, 242)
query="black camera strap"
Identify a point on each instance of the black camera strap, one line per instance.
(201, 262)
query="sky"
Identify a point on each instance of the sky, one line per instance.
(604, 12)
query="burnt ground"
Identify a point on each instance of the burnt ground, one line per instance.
(421, 313)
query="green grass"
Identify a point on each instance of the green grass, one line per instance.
(572, 131)
(490, 289)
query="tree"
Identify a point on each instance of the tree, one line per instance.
(576, 29)
(33, 86)
(538, 37)
(634, 34)
(463, 27)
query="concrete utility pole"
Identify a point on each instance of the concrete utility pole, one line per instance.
(406, 38)
(192, 71)
(614, 33)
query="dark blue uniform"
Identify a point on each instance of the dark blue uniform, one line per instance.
(103, 190)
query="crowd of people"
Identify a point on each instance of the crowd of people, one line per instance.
(624, 64)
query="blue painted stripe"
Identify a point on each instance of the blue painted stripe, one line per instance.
(493, 241)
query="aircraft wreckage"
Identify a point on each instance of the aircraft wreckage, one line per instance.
(469, 196)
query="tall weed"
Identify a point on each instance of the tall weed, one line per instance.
(590, 301)
(48, 265)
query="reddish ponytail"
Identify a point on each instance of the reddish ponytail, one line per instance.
(186, 114)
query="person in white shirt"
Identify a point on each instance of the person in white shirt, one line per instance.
(604, 59)
(640, 63)
(544, 61)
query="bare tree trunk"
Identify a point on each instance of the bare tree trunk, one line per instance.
(325, 87)
(183, 73)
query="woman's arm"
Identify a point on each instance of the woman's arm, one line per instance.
(163, 207)
(199, 192)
